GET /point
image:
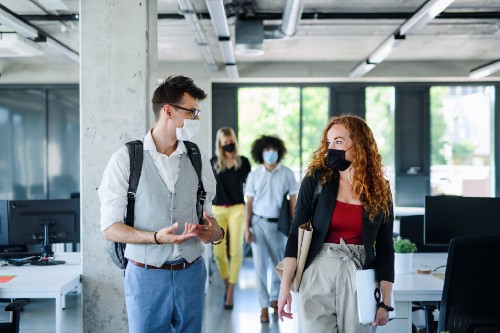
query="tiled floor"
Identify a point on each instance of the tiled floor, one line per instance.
(243, 318)
(38, 316)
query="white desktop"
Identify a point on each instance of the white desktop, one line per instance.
(44, 281)
(416, 287)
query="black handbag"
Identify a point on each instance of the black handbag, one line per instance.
(285, 220)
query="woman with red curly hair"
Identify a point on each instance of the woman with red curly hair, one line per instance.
(352, 217)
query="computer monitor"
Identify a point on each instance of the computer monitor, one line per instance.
(44, 222)
(4, 223)
(448, 216)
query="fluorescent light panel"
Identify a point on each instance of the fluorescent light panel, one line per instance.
(17, 25)
(424, 15)
(218, 16)
(485, 70)
(361, 69)
(232, 71)
(12, 45)
(226, 48)
(63, 49)
(384, 50)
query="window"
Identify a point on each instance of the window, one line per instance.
(380, 118)
(461, 135)
(297, 115)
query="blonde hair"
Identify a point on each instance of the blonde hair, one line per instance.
(219, 152)
(368, 181)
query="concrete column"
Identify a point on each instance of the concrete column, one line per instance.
(117, 59)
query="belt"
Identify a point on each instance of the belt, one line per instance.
(268, 219)
(174, 267)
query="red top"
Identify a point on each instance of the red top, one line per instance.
(346, 223)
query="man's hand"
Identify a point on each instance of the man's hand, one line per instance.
(210, 228)
(167, 235)
(248, 235)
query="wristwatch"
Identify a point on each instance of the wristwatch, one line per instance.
(384, 306)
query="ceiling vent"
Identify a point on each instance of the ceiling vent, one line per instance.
(12, 45)
(249, 35)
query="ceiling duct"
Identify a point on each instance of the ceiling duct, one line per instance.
(291, 17)
(250, 34)
(249, 37)
(289, 21)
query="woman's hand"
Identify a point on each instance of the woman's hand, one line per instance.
(381, 317)
(285, 299)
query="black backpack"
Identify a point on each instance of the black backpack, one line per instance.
(116, 250)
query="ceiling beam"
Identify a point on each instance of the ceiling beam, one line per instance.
(476, 15)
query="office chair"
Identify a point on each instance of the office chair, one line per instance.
(412, 227)
(13, 326)
(471, 292)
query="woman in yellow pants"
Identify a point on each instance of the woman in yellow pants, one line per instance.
(231, 171)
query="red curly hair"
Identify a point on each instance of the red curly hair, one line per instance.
(368, 181)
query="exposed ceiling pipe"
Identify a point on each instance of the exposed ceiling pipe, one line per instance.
(289, 21)
(291, 17)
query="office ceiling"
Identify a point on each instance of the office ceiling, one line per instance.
(329, 31)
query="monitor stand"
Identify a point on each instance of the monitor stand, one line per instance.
(47, 253)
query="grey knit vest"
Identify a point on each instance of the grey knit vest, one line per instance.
(156, 208)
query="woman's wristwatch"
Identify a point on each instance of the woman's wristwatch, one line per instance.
(384, 306)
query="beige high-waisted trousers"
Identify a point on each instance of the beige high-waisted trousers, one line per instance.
(327, 297)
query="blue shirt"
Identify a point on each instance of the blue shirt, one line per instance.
(268, 189)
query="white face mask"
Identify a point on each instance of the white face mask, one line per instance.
(189, 131)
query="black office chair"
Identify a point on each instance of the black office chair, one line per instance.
(412, 227)
(13, 326)
(471, 292)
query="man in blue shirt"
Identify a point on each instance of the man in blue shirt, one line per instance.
(265, 188)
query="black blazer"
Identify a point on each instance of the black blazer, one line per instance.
(377, 234)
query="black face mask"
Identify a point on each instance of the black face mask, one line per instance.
(336, 159)
(230, 147)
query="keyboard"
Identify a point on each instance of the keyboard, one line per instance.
(19, 255)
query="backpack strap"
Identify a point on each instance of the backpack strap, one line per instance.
(135, 152)
(194, 155)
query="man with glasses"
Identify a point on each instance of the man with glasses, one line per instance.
(165, 277)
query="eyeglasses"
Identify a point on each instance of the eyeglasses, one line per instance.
(194, 112)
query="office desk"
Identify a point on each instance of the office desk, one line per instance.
(44, 281)
(415, 287)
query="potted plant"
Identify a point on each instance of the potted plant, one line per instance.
(404, 249)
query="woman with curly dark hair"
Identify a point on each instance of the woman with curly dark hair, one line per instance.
(352, 221)
(265, 189)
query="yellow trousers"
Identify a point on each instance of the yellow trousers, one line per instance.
(232, 219)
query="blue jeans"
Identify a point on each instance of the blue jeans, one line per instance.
(160, 300)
